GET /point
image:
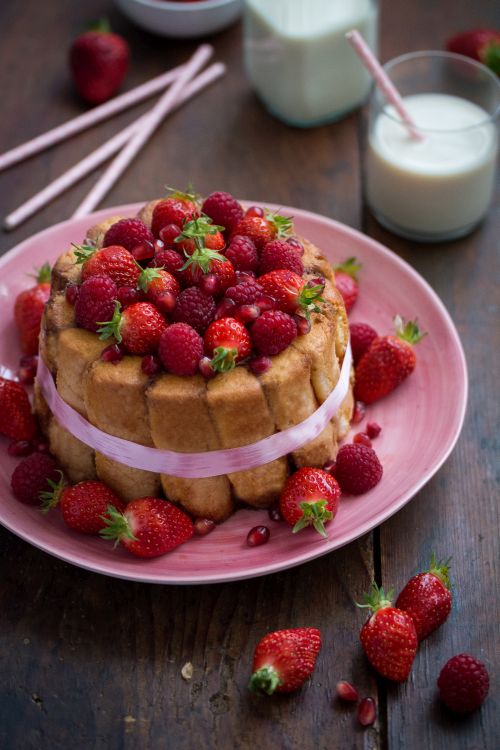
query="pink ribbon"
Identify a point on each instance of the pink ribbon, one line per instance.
(195, 465)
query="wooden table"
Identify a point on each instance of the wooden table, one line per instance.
(92, 662)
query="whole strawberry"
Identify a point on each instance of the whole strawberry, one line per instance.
(138, 327)
(279, 254)
(177, 209)
(346, 281)
(463, 683)
(95, 302)
(291, 292)
(283, 660)
(28, 310)
(388, 637)
(310, 497)
(98, 61)
(427, 598)
(223, 209)
(82, 505)
(16, 419)
(181, 349)
(272, 332)
(361, 335)
(160, 288)
(148, 527)
(32, 476)
(227, 342)
(479, 44)
(357, 468)
(128, 233)
(387, 362)
(113, 261)
(262, 229)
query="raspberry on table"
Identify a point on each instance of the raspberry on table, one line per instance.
(279, 254)
(223, 209)
(463, 683)
(272, 332)
(195, 308)
(242, 253)
(128, 233)
(95, 302)
(181, 349)
(357, 468)
(245, 293)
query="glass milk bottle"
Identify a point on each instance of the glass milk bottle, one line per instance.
(299, 61)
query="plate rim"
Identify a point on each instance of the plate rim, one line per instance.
(301, 558)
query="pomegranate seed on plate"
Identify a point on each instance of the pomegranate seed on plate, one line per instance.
(274, 513)
(20, 448)
(247, 313)
(72, 291)
(257, 536)
(367, 712)
(373, 429)
(151, 365)
(203, 526)
(112, 353)
(254, 211)
(358, 413)
(206, 369)
(363, 439)
(260, 365)
(209, 284)
(347, 692)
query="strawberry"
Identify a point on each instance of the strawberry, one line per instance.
(160, 287)
(463, 683)
(128, 233)
(95, 302)
(272, 332)
(148, 527)
(113, 261)
(138, 327)
(98, 61)
(284, 659)
(181, 349)
(262, 229)
(291, 292)
(427, 598)
(177, 209)
(195, 308)
(387, 362)
(82, 505)
(16, 419)
(310, 497)
(346, 281)
(222, 209)
(31, 477)
(28, 310)
(388, 637)
(205, 262)
(279, 254)
(357, 468)
(479, 44)
(228, 342)
(242, 253)
(362, 336)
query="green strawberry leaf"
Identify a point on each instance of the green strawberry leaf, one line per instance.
(117, 526)
(314, 514)
(111, 327)
(351, 266)
(146, 277)
(376, 599)
(408, 331)
(224, 359)
(83, 252)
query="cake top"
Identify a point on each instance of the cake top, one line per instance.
(196, 285)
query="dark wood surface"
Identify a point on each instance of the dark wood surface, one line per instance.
(91, 662)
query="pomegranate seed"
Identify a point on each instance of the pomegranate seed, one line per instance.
(373, 429)
(347, 692)
(224, 308)
(112, 353)
(158, 245)
(27, 369)
(72, 292)
(20, 448)
(303, 325)
(330, 467)
(203, 526)
(265, 303)
(247, 313)
(151, 365)
(274, 513)
(257, 536)
(166, 303)
(127, 295)
(143, 251)
(260, 365)
(242, 276)
(296, 244)
(317, 281)
(41, 446)
(363, 439)
(209, 284)
(254, 211)
(206, 369)
(169, 233)
(367, 712)
(359, 412)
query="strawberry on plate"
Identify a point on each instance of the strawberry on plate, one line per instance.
(148, 527)
(28, 310)
(482, 45)
(283, 660)
(113, 261)
(16, 418)
(82, 505)
(346, 281)
(310, 497)
(177, 209)
(292, 293)
(98, 62)
(427, 598)
(227, 342)
(388, 637)
(387, 362)
(138, 327)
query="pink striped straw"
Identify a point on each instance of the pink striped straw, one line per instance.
(87, 119)
(104, 152)
(163, 106)
(383, 81)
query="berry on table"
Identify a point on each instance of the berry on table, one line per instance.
(357, 468)
(28, 310)
(284, 659)
(98, 62)
(463, 683)
(367, 712)
(427, 597)
(346, 692)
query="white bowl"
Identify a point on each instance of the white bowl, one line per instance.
(182, 19)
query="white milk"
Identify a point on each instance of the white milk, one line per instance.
(441, 185)
(298, 60)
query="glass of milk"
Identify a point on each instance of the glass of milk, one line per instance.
(439, 187)
(299, 61)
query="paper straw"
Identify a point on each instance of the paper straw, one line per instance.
(87, 119)
(104, 152)
(383, 81)
(164, 105)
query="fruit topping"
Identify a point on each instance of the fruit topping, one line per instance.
(228, 342)
(272, 332)
(181, 349)
(310, 497)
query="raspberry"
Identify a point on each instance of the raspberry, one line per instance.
(95, 302)
(245, 293)
(242, 253)
(30, 477)
(223, 209)
(362, 336)
(195, 308)
(128, 233)
(181, 349)
(168, 259)
(273, 332)
(357, 468)
(278, 254)
(463, 683)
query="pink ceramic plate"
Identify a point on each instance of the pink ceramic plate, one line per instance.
(421, 421)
